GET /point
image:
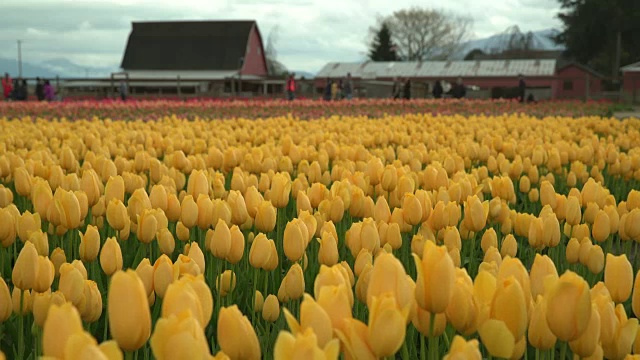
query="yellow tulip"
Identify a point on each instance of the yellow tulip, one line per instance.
(388, 275)
(46, 274)
(166, 242)
(573, 251)
(461, 349)
(236, 336)
(328, 252)
(314, 317)
(265, 218)
(387, 325)
(635, 299)
(539, 334)
(226, 282)
(189, 212)
(258, 303)
(22, 306)
(335, 302)
(180, 297)
(412, 209)
(42, 302)
(111, 257)
(509, 246)
(116, 214)
(7, 228)
(90, 306)
(292, 286)
(26, 224)
(198, 256)
(462, 311)
(436, 276)
(585, 345)
(114, 189)
(220, 244)
(198, 184)
(542, 268)
(89, 244)
(5, 301)
(128, 307)
(570, 292)
(595, 260)
(625, 334)
(144, 270)
(179, 336)
(271, 309)
(280, 190)
(295, 241)
(475, 213)
(509, 306)
(601, 226)
(573, 211)
(260, 252)
(618, 277)
(163, 275)
(186, 265)
(355, 339)
(147, 227)
(303, 345)
(25, 269)
(62, 322)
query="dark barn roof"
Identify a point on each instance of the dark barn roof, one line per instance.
(187, 45)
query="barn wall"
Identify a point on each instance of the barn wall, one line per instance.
(254, 60)
(578, 78)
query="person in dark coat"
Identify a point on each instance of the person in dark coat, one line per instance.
(407, 89)
(397, 89)
(522, 87)
(459, 91)
(327, 90)
(39, 89)
(49, 92)
(437, 90)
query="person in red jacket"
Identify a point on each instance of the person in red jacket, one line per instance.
(291, 87)
(7, 86)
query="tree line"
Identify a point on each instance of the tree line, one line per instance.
(602, 34)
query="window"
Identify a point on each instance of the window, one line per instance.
(567, 85)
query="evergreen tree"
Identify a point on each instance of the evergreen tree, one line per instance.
(382, 48)
(601, 33)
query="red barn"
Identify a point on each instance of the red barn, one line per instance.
(545, 78)
(631, 81)
(196, 54)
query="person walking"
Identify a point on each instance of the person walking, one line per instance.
(522, 89)
(327, 90)
(7, 86)
(20, 90)
(407, 89)
(49, 92)
(123, 90)
(39, 89)
(291, 87)
(334, 90)
(347, 87)
(397, 88)
(459, 91)
(437, 90)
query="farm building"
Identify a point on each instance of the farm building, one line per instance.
(631, 81)
(197, 58)
(545, 78)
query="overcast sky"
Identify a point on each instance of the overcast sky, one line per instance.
(311, 32)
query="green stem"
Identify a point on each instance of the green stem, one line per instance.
(433, 353)
(423, 350)
(128, 355)
(563, 350)
(255, 288)
(106, 313)
(537, 354)
(405, 351)
(21, 328)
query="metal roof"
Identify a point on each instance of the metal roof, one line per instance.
(184, 75)
(632, 67)
(441, 69)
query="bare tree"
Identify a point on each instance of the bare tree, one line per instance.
(271, 54)
(422, 34)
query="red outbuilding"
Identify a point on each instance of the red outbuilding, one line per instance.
(631, 81)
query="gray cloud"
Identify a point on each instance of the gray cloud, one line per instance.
(312, 33)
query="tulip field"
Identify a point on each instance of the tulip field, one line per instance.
(360, 230)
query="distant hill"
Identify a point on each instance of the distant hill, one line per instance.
(52, 68)
(539, 40)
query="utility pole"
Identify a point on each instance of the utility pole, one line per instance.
(20, 58)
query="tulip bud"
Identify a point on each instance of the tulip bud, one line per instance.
(6, 305)
(260, 251)
(116, 214)
(111, 256)
(476, 213)
(618, 277)
(542, 268)
(58, 258)
(573, 251)
(461, 349)
(178, 335)
(601, 226)
(129, 315)
(41, 304)
(62, 322)
(295, 242)
(114, 189)
(586, 344)
(412, 210)
(89, 244)
(569, 292)
(509, 246)
(189, 212)
(489, 239)
(166, 242)
(573, 211)
(280, 190)
(271, 309)
(435, 271)
(387, 325)
(328, 252)
(237, 245)
(46, 273)
(220, 244)
(236, 336)
(595, 260)
(25, 270)
(226, 282)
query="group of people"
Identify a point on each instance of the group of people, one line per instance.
(17, 89)
(339, 89)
